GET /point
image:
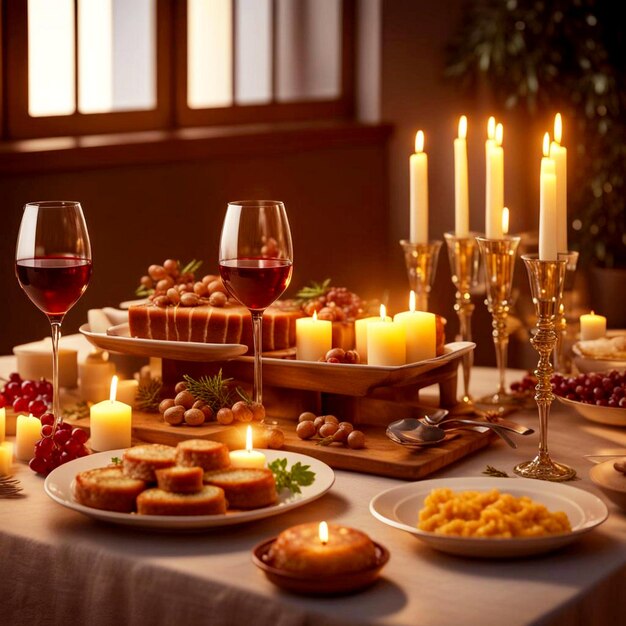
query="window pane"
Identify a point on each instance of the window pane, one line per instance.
(309, 49)
(116, 44)
(253, 55)
(51, 57)
(209, 53)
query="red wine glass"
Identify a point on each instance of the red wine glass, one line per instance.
(53, 267)
(256, 261)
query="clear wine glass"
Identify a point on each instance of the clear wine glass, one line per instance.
(256, 262)
(53, 267)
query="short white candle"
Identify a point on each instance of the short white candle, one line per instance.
(314, 338)
(418, 179)
(547, 206)
(386, 342)
(95, 375)
(110, 422)
(360, 332)
(127, 391)
(461, 194)
(3, 424)
(248, 457)
(559, 154)
(27, 434)
(592, 326)
(421, 332)
(6, 458)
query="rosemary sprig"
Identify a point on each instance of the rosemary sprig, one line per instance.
(10, 488)
(212, 390)
(492, 471)
(149, 395)
(314, 290)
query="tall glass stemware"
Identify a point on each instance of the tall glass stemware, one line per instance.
(53, 267)
(256, 263)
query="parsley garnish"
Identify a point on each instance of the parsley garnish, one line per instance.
(292, 479)
(116, 460)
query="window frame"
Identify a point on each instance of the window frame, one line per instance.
(171, 109)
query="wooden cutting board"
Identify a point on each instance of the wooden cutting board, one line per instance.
(380, 456)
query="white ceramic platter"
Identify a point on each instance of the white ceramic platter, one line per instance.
(601, 414)
(58, 486)
(400, 506)
(118, 339)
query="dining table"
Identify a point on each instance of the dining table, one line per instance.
(58, 566)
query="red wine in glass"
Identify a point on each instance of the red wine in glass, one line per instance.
(54, 284)
(256, 282)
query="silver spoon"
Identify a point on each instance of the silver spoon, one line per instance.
(412, 430)
(438, 418)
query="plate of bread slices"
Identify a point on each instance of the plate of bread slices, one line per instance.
(189, 486)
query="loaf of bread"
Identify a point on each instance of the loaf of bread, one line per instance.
(107, 488)
(208, 501)
(209, 455)
(245, 488)
(179, 479)
(142, 461)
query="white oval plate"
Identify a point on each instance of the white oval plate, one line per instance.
(400, 506)
(58, 486)
(612, 416)
(117, 339)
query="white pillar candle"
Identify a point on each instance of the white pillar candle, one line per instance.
(559, 155)
(247, 457)
(27, 434)
(6, 458)
(461, 194)
(34, 361)
(3, 424)
(421, 332)
(360, 332)
(127, 391)
(495, 184)
(418, 179)
(592, 326)
(314, 338)
(110, 423)
(386, 342)
(547, 206)
(95, 375)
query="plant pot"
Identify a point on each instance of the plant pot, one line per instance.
(607, 290)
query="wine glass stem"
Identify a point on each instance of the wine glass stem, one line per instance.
(464, 311)
(257, 328)
(55, 326)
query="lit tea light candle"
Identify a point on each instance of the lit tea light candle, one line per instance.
(247, 457)
(386, 341)
(27, 434)
(494, 183)
(559, 155)
(418, 180)
(547, 205)
(110, 423)
(3, 424)
(461, 193)
(420, 330)
(592, 326)
(314, 338)
(505, 221)
(6, 458)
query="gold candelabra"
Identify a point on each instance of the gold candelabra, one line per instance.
(464, 263)
(562, 363)
(546, 286)
(421, 265)
(499, 262)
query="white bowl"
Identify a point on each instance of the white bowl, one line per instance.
(610, 481)
(601, 414)
(588, 364)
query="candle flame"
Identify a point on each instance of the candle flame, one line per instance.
(505, 220)
(249, 439)
(323, 533)
(546, 145)
(558, 128)
(412, 301)
(419, 141)
(383, 312)
(592, 313)
(499, 134)
(462, 127)
(314, 315)
(491, 128)
(113, 389)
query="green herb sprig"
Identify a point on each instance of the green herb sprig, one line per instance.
(492, 471)
(298, 476)
(314, 290)
(212, 390)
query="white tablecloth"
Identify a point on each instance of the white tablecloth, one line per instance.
(60, 567)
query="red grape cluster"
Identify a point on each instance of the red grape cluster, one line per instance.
(27, 396)
(525, 386)
(605, 389)
(337, 305)
(57, 447)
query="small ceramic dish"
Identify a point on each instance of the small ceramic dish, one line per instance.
(611, 482)
(601, 414)
(589, 363)
(318, 585)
